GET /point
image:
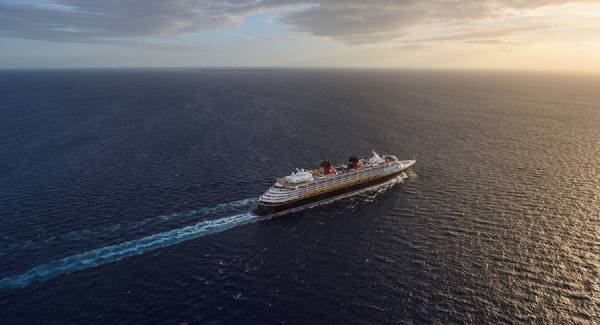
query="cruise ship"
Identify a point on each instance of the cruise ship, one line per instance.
(306, 188)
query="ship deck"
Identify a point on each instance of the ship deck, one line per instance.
(317, 175)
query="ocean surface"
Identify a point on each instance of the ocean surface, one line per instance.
(125, 197)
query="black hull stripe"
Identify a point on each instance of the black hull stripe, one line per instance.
(264, 209)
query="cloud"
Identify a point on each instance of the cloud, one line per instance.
(500, 42)
(92, 21)
(374, 21)
(411, 47)
(481, 36)
(349, 21)
(360, 22)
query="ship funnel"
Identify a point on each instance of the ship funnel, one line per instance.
(327, 169)
(353, 162)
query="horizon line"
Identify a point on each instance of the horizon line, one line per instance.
(276, 68)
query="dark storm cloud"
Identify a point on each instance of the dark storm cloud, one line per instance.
(350, 21)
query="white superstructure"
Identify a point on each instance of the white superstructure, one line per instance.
(308, 183)
(300, 176)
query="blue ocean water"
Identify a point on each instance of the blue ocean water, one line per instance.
(125, 197)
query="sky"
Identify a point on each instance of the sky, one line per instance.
(555, 35)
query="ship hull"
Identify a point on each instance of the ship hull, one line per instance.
(265, 209)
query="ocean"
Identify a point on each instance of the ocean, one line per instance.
(125, 197)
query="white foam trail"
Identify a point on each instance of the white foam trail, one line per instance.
(117, 252)
(115, 229)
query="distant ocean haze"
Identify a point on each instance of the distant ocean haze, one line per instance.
(124, 197)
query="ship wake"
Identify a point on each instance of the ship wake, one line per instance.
(117, 252)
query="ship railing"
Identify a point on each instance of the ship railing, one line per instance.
(353, 173)
(342, 182)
